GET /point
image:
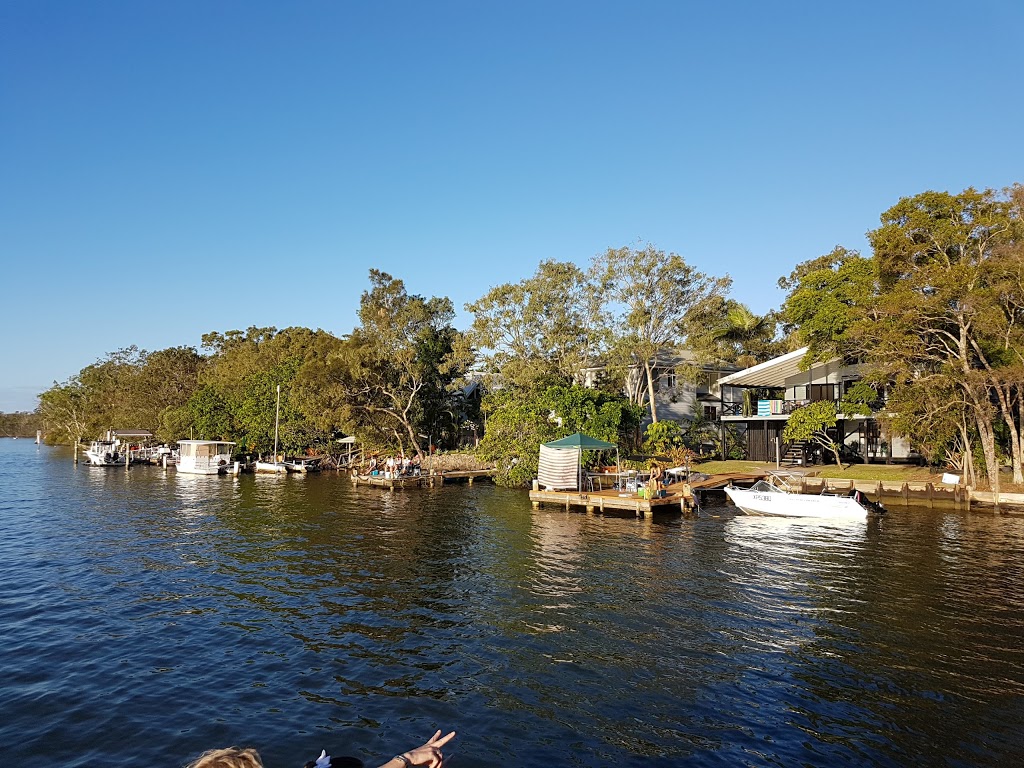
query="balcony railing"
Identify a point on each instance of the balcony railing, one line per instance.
(765, 408)
(732, 409)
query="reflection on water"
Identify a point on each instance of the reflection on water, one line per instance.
(148, 616)
(557, 554)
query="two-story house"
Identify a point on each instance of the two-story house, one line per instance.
(778, 387)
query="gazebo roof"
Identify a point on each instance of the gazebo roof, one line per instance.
(579, 440)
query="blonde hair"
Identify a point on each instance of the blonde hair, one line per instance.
(231, 757)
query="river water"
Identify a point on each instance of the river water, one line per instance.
(146, 616)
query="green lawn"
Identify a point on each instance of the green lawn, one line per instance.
(887, 472)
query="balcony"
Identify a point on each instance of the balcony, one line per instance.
(767, 409)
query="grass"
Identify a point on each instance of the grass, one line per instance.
(886, 472)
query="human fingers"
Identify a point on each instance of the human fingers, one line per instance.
(440, 742)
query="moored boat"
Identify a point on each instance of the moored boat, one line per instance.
(274, 467)
(104, 453)
(777, 497)
(204, 457)
(271, 467)
(302, 465)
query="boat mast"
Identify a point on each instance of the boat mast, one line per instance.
(277, 421)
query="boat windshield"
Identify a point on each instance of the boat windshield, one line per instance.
(762, 486)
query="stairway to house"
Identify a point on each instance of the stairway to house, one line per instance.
(794, 454)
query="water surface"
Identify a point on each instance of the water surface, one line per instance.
(147, 616)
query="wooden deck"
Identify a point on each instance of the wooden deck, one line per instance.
(600, 501)
(678, 498)
(424, 480)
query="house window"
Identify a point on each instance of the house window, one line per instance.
(670, 381)
(711, 412)
(818, 392)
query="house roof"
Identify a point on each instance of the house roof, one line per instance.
(772, 373)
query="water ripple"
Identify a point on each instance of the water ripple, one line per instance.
(148, 616)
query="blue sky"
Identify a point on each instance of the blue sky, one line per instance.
(171, 168)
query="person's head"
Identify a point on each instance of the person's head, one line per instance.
(231, 757)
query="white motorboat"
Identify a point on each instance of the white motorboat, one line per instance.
(204, 457)
(776, 496)
(302, 465)
(271, 467)
(104, 453)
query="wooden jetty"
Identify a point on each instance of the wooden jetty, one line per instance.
(423, 481)
(673, 500)
(678, 497)
(681, 496)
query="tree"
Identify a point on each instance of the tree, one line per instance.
(663, 437)
(827, 297)
(652, 297)
(20, 423)
(949, 307)
(66, 413)
(730, 332)
(519, 420)
(931, 413)
(395, 371)
(548, 327)
(811, 423)
(163, 383)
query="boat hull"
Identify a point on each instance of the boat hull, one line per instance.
(271, 468)
(782, 504)
(186, 470)
(102, 461)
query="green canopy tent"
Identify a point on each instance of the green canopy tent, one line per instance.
(559, 468)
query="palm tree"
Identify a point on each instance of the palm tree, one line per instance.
(747, 337)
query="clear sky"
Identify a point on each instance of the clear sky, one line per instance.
(171, 168)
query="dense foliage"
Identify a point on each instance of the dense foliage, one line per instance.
(934, 315)
(937, 316)
(20, 424)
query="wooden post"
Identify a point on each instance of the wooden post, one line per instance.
(76, 453)
(931, 491)
(906, 494)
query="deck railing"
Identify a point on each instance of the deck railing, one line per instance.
(780, 407)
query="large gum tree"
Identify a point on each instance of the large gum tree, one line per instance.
(652, 298)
